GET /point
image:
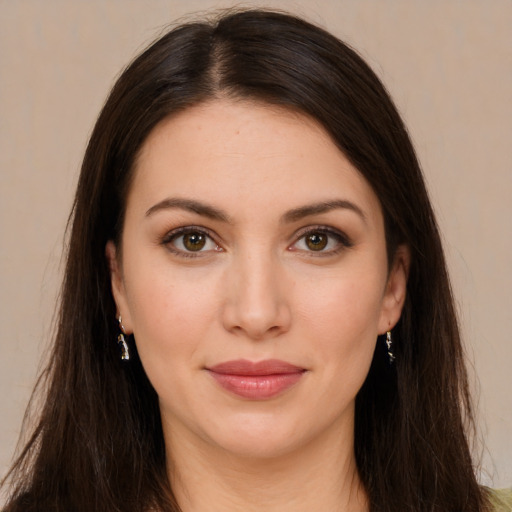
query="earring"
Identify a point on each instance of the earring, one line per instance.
(389, 344)
(125, 353)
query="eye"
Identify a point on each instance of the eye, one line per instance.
(189, 240)
(316, 241)
(325, 241)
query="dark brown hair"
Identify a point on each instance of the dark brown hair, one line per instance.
(98, 444)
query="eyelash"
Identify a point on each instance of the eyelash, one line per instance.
(173, 235)
(343, 242)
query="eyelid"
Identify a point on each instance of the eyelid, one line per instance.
(183, 230)
(344, 241)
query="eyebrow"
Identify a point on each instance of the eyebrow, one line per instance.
(190, 205)
(322, 207)
(293, 215)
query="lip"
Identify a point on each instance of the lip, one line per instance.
(256, 380)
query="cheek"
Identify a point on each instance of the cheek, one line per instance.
(171, 316)
(341, 313)
(352, 301)
(170, 310)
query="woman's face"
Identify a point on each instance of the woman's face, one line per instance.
(254, 278)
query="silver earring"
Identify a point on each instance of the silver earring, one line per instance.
(389, 344)
(125, 352)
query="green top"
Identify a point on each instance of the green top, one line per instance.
(501, 500)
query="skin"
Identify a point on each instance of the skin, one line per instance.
(256, 290)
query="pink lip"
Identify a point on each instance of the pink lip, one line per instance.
(256, 381)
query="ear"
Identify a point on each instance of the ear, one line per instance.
(396, 288)
(118, 287)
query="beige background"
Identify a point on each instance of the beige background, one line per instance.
(447, 63)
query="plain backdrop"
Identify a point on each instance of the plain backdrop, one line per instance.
(448, 65)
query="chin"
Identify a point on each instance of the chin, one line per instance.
(258, 447)
(259, 437)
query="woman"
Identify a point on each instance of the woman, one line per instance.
(256, 313)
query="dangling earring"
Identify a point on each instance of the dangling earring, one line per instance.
(389, 344)
(125, 353)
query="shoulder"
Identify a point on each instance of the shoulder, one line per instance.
(501, 500)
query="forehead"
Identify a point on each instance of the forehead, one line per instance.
(245, 154)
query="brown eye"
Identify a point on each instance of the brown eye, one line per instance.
(190, 241)
(194, 241)
(321, 241)
(316, 241)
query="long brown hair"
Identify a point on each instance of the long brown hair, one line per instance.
(98, 444)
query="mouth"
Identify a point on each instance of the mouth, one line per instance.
(260, 380)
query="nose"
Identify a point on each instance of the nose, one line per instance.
(256, 303)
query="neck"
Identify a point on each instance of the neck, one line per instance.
(320, 476)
